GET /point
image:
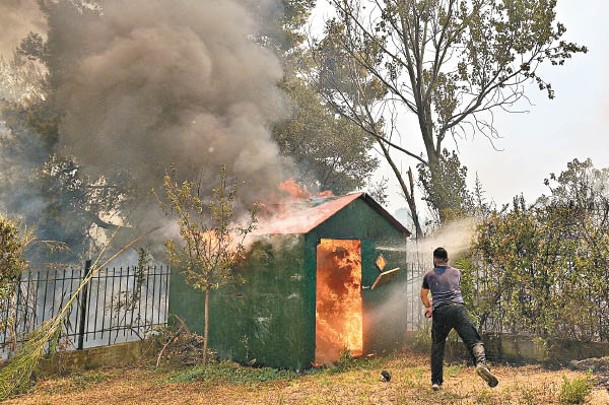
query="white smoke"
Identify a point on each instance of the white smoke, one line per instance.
(455, 237)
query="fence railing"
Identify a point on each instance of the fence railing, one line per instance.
(414, 309)
(118, 305)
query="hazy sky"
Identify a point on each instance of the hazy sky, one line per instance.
(573, 125)
(553, 132)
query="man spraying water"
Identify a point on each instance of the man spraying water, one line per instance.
(448, 312)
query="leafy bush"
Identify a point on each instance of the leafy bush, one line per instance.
(421, 340)
(537, 268)
(12, 264)
(574, 392)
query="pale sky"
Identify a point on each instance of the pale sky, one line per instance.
(553, 132)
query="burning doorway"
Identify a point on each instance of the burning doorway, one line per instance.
(339, 309)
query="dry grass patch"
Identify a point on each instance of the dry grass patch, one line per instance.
(359, 383)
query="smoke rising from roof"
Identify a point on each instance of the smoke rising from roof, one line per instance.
(158, 83)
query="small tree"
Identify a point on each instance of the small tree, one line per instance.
(211, 242)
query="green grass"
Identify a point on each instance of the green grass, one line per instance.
(82, 381)
(228, 372)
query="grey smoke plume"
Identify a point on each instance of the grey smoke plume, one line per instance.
(156, 83)
(17, 19)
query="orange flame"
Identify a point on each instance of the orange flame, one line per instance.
(339, 301)
(299, 192)
(294, 190)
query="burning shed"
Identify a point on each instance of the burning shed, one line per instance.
(324, 276)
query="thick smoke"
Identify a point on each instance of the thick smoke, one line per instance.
(154, 84)
(18, 18)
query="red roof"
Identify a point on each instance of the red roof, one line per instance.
(303, 216)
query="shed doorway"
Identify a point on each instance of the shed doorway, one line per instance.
(338, 315)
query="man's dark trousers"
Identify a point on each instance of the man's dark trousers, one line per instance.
(445, 318)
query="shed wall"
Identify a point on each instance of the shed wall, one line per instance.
(261, 321)
(271, 316)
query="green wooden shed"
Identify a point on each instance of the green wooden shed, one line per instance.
(322, 277)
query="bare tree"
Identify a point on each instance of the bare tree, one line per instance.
(452, 63)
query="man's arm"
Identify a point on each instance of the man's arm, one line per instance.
(424, 294)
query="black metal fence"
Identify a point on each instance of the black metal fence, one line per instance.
(117, 305)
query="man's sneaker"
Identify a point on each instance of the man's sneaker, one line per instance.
(486, 375)
(436, 387)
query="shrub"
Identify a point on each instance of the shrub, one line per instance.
(574, 392)
(12, 264)
(346, 361)
(421, 340)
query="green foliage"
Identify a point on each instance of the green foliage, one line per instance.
(330, 152)
(284, 26)
(233, 373)
(13, 243)
(541, 268)
(576, 390)
(82, 381)
(16, 376)
(12, 263)
(63, 203)
(421, 340)
(346, 361)
(445, 188)
(211, 242)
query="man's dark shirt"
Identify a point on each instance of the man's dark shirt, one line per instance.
(445, 285)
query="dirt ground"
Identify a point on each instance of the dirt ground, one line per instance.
(360, 384)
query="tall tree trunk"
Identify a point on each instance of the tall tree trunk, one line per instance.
(439, 197)
(413, 207)
(433, 150)
(408, 193)
(206, 329)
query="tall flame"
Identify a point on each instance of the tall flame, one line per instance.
(339, 301)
